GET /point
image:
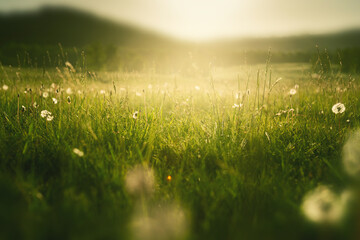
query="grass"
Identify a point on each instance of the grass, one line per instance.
(236, 172)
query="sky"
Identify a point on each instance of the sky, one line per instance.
(211, 19)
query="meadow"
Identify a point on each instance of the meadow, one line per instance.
(230, 154)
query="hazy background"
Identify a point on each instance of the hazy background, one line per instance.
(202, 19)
(177, 36)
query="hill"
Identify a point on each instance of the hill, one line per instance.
(33, 36)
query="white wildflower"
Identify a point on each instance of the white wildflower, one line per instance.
(55, 101)
(135, 115)
(140, 180)
(45, 94)
(5, 87)
(49, 118)
(237, 105)
(323, 206)
(292, 92)
(338, 108)
(78, 152)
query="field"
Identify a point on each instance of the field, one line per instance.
(226, 155)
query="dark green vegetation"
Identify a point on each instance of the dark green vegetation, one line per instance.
(29, 39)
(238, 173)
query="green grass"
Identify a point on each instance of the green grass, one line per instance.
(237, 173)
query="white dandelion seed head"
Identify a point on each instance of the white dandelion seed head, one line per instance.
(45, 94)
(45, 113)
(140, 180)
(160, 223)
(338, 108)
(55, 101)
(5, 87)
(322, 205)
(292, 91)
(102, 92)
(49, 118)
(78, 152)
(68, 91)
(351, 154)
(237, 105)
(197, 88)
(135, 115)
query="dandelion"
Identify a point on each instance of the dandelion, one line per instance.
(68, 91)
(55, 101)
(161, 223)
(169, 178)
(323, 206)
(49, 118)
(338, 108)
(351, 154)
(44, 113)
(135, 115)
(78, 152)
(197, 88)
(292, 92)
(237, 105)
(45, 94)
(5, 87)
(102, 91)
(140, 180)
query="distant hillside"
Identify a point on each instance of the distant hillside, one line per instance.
(32, 39)
(53, 25)
(70, 27)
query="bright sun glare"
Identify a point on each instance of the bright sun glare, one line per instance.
(200, 19)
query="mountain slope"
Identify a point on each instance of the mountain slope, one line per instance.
(71, 28)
